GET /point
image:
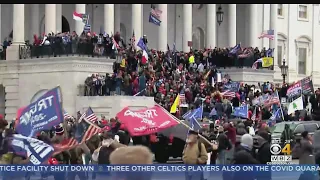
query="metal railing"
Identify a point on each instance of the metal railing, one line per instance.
(60, 49)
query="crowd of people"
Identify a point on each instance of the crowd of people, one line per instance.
(193, 75)
(70, 43)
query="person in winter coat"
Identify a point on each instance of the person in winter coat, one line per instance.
(287, 135)
(213, 134)
(264, 154)
(241, 129)
(107, 146)
(306, 151)
(243, 155)
(223, 145)
(316, 146)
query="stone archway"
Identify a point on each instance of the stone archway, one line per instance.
(2, 100)
(64, 22)
(65, 25)
(123, 32)
(38, 94)
(198, 38)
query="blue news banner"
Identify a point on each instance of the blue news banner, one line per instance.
(157, 171)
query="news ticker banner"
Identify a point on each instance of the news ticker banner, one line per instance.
(159, 168)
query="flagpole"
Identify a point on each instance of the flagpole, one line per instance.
(280, 106)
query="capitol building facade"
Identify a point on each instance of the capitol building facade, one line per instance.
(295, 26)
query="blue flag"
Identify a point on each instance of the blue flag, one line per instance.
(142, 45)
(235, 49)
(241, 111)
(192, 116)
(273, 119)
(42, 114)
(37, 150)
(269, 52)
(154, 20)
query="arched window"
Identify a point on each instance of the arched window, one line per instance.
(303, 44)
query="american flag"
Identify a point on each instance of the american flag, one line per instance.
(156, 12)
(86, 127)
(89, 116)
(182, 97)
(267, 34)
(65, 145)
(85, 130)
(229, 94)
(273, 99)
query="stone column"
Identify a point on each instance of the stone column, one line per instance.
(232, 25)
(50, 18)
(59, 17)
(109, 18)
(18, 24)
(136, 21)
(253, 19)
(35, 20)
(187, 27)
(12, 52)
(1, 40)
(80, 8)
(163, 28)
(211, 33)
(117, 18)
(273, 26)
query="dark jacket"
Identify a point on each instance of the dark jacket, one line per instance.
(306, 153)
(264, 156)
(223, 142)
(243, 155)
(241, 129)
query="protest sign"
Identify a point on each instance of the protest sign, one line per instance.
(232, 86)
(304, 86)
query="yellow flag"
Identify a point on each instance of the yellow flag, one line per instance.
(123, 63)
(175, 104)
(267, 61)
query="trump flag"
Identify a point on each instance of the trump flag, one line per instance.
(42, 114)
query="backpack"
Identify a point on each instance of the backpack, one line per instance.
(104, 155)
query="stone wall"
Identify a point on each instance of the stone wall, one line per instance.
(22, 79)
(249, 75)
(109, 106)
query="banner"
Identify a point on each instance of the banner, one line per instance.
(304, 86)
(42, 114)
(146, 121)
(241, 111)
(294, 90)
(232, 86)
(37, 150)
(307, 85)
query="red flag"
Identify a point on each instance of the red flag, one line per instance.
(146, 121)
